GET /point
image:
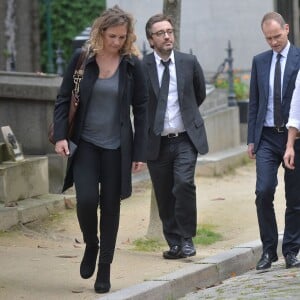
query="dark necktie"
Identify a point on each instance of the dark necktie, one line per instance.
(162, 100)
(278, 119)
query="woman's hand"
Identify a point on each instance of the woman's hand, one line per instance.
(137, 166)
(250, 151)
(62, 148)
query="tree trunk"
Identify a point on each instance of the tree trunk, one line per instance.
(173, 8)
(155, 227)
(10, 33)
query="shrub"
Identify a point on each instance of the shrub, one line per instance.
(241, 89)
(68, 19)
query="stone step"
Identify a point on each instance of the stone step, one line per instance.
(35, 208)
(221, 162)
(23, 179)
(211, 164)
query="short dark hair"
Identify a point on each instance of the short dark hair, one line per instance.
(273, 16)
(154, 19)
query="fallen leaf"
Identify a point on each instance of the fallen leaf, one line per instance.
(66, 256)
(217, 199)
(77, 291)
(11, 204)
(42, 247)
(126, 242)
(68, 203)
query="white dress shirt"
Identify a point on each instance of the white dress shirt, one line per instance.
(173, 121)
(269, 120)
(294, 116)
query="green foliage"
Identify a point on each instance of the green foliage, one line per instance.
(68, 19)
(241, 89)
(206, 236)
(147, 245)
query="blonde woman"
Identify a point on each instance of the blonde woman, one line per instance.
(108, 149)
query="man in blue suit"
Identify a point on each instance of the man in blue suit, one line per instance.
(272, 83)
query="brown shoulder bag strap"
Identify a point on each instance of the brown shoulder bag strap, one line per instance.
(78, 73)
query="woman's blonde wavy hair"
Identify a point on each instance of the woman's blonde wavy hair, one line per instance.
(113, 17)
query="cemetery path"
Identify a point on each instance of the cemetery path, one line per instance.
(41, 260)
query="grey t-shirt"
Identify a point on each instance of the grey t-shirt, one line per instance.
(102, 123)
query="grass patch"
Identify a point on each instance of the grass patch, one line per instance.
(4, 233)
(206, 235)
(10, 232)
(147, 245)
(59, 216)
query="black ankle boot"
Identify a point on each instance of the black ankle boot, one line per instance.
(88, 263)
(102, 284)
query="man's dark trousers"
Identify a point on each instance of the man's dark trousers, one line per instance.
(269, 157)
(176, 193)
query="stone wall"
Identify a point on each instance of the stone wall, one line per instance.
(26, 105)
(27, 102)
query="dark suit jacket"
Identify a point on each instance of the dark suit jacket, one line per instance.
(191, 93)
(132, 93)
(259, 90)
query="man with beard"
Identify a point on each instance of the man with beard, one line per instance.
(176, 134)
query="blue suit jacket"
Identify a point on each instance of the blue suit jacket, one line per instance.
(259, 90)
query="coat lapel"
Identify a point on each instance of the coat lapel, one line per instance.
(122, 73)
(179, 75)
(291, 62)
(265, 72)
(152, 71)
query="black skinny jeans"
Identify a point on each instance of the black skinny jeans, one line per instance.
(92, 165)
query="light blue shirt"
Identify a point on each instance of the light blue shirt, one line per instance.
(269, 120)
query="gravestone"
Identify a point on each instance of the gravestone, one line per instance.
(20, 178)
(12, 144)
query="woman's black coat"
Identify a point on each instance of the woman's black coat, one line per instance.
(132, 93)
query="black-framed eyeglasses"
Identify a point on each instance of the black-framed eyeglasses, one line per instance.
(162, 33)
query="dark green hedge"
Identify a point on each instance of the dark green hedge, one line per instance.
(68, 19)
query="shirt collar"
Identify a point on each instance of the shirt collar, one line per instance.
(284, 52)
(158, 58)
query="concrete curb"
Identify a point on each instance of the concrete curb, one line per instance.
(201, 274)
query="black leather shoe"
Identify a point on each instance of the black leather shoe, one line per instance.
(187, 247)
(265, 261)
(88, 263)
(291, 261)
(173, 253)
